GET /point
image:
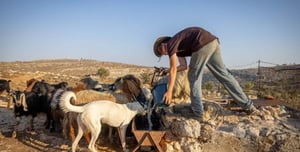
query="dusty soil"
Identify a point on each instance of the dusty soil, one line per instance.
(72, 71)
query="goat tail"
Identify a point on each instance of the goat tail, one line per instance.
(66, 105)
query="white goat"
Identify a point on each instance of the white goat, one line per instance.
(87, 96)
(91, 116)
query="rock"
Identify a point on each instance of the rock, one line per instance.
(169, 137)
(281, 137)
(186, 128)
(64, 147)
(253, 132)
(206, 132)
(265, 132)
(1, 135)
(167, 147)
(44, 137)
(177, 146)
(267, 117)
(290, 144)
(190, 144)
(239, 132)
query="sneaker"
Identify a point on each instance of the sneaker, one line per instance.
(198, 117)
(251, 110)
(182, 109)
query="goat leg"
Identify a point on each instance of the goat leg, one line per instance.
(65, 123)
(72, 132)
(31, 124)
(110, 135)
(14, 133)
(50, 124)
(122, 134)
(87, 136)
(9, 100)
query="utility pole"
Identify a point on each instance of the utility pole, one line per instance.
(259, 79)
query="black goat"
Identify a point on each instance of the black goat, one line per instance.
(4, 85)
(26, 104)
(45, 93)
(57, 113)
(61, 85)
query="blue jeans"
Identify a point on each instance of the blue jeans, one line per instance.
(210, 56)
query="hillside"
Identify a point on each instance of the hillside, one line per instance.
(70, 70)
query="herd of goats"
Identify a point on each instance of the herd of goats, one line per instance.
(57, 101)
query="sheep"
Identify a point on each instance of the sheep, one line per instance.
(181, 88)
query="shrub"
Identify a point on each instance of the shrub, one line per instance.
(145, 77)
(209, 86)
(103, 73)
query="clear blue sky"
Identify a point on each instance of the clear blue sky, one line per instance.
(124, 31)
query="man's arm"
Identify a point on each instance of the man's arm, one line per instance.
(172, 77)
(181, 67)
(182, 64)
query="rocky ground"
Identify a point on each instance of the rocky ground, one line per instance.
(273, 128)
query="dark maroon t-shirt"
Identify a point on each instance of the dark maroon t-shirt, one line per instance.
(189, 40)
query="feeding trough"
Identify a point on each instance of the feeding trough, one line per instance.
(147, 137)
(147, 130)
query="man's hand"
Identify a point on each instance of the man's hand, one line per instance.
(168, 97)
(163, 71)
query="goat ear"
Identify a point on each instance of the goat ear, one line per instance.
(23, 98)
(12, 92)
(139, 83)
(11, 95)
